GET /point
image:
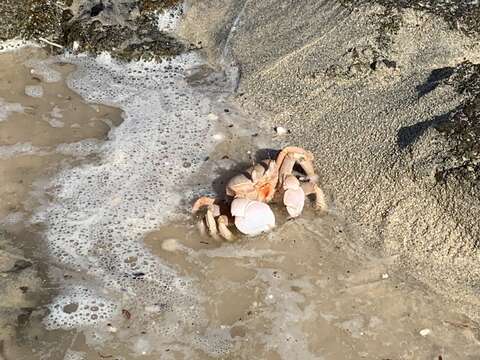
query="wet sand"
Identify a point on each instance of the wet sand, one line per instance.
(307, 290)
(34, 145)
(366, 87)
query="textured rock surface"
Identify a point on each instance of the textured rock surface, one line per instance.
(127, 29)
(386, 95)
(463, 15)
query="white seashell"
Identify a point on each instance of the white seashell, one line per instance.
(281, 130)
(239, 206)
(291, 182)
(255, 216)
(294, 199)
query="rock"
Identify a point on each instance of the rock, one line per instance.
(6, 263)
(92, 26)
(30, 19)
(463, 15)
(20, 265)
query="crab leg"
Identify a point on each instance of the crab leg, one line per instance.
(213, 211)
(296, 154)
(289, 156)
(223, 228)
(293, 196)
(310, 187)
(211, 223)
(201, 202)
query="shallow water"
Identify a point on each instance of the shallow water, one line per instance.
(306, 290)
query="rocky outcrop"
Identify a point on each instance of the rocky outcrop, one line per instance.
(127, 29)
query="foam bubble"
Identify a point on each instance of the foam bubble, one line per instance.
(6, 108)
(80, 148)
(78, 307)
(8, 151)
(102, 211)
(43, 69)
(15, 44)
(35, 91)
(168, 20)
(74, 355)
(13, 218)
(54, 122)
(54, 118)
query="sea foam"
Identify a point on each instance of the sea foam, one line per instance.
(100, 212)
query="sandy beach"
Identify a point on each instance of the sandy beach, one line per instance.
(115, 116)
(366, 88)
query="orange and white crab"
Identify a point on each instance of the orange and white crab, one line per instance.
(249, 192)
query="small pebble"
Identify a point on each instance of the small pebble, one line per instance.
(112, 329)
(425, 332)
(280, 130)
(385, 276)
(170, 245)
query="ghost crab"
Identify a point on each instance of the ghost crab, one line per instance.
(249, 192)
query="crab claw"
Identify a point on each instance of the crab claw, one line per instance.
(206, 202)
(294, 196)
(252, 217)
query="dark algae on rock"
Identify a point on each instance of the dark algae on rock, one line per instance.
(126, 29)
(462, 128)
(30, 19)
(463, 15)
